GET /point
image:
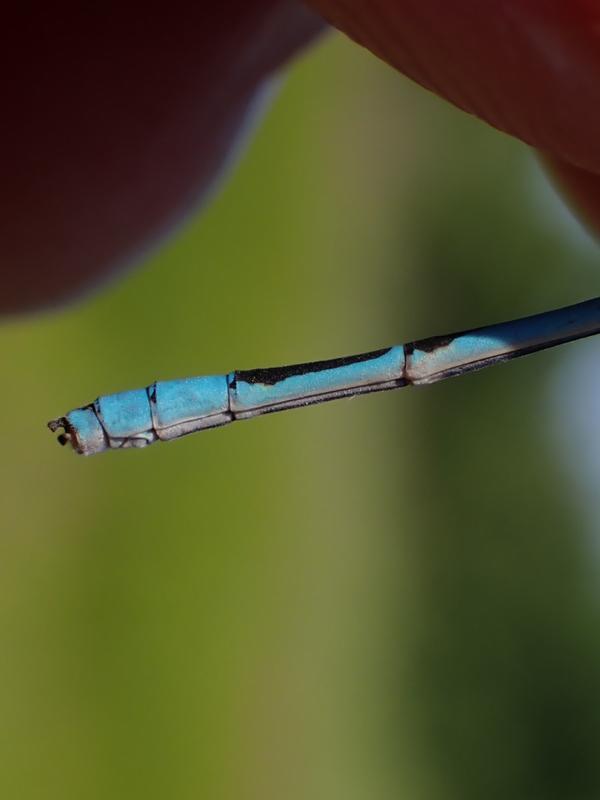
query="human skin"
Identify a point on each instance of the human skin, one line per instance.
(528, 67)
(116, 123)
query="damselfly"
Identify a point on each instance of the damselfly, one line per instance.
(170, 409)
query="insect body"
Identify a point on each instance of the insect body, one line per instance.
(169, 409)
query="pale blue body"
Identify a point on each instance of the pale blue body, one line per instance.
(170, 409)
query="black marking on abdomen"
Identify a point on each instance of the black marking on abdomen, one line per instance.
(428, 345)
(272, 375)
(94, 409)
(151, 395)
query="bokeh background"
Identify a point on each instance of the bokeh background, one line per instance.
(394, 596)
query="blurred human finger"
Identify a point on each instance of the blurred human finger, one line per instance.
(117, 120)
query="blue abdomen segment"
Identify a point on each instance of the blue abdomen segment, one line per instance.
(125, 414)
(430, 360)
(84, 430)
(190, 404)
(257, 391)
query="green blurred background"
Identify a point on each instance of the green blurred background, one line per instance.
(387, 597)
